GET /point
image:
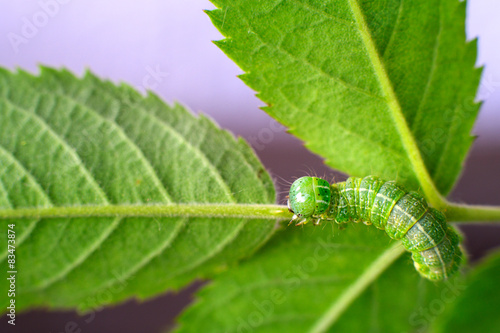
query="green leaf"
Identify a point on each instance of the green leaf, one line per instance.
(374, 87)
(87, 145)
(476, 308)
(312, 280)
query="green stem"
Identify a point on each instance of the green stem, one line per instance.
(180, 210)
(465, 213)
(454, 212)
(359, 286)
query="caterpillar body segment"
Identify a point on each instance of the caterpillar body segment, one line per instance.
(404, 215)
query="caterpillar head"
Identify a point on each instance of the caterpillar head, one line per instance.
(309, 196)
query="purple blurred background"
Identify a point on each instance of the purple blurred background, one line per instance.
(166, 46)
(124, 40)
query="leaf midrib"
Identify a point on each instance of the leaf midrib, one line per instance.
(396, 112)
(372, 272)
(337, 79)
(43, 285)
(214, 210)
(100, 193)
(53, 279)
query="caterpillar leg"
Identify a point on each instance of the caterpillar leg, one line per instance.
(298, 220)
(302, 221)
(294, 218)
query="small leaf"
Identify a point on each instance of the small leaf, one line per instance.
(384, 88)
(476, 308)
(86, 143)
(310, 280)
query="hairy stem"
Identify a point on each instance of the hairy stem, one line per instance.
(181, 210)
(454, 212)
(465, 213)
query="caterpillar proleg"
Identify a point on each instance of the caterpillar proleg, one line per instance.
(404, 215)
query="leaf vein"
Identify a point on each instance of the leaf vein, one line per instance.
(348, 23)
(71, 266)
(395, 110)
(35, 185)
(147, 164)
(313, 66)
(348, 131)
(279, 319)
(394, 29)
(70, 150)
(275, 283)
(432, 71)
(179, 138)
(147, 258)
(3, 190)
(214, 251)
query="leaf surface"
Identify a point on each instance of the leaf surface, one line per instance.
(313, 280)
(476, 308)
(384, 88)
(374, 87)
(68, 142)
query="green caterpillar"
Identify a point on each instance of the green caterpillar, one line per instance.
(404, 215)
